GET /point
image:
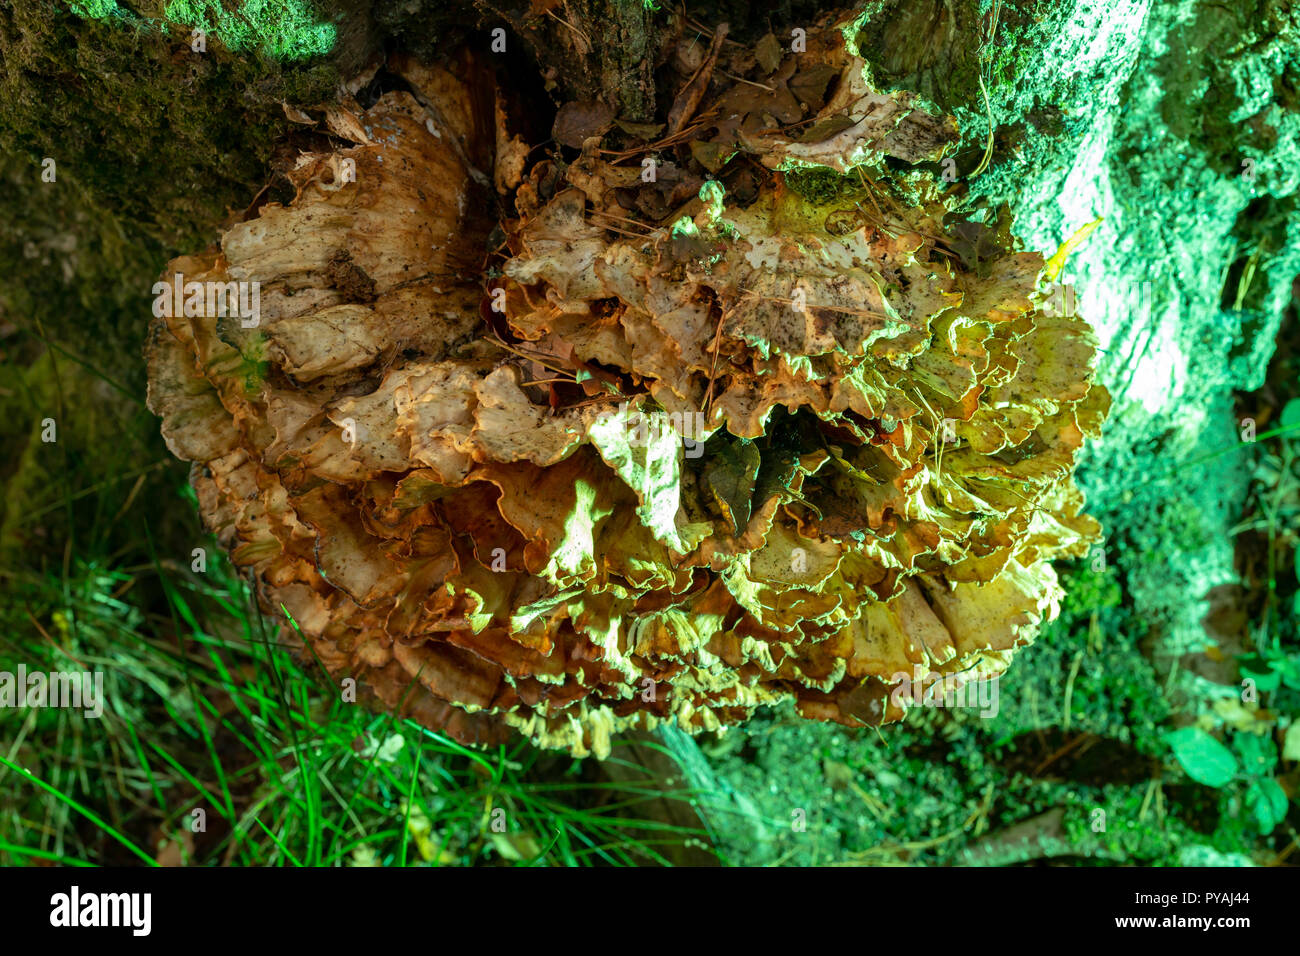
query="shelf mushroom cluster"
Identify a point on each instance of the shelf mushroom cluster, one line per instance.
(667, 441)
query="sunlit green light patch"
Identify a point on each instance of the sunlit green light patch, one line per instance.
(96, 9)
(282, 29)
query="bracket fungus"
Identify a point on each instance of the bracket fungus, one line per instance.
(674, 436)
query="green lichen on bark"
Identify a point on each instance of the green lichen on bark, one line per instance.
(1179, 124)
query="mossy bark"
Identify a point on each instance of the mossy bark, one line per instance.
(603, 50)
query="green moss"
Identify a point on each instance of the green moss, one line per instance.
(283, 29)
(97, 9)
(819, 185)
(1125, 823)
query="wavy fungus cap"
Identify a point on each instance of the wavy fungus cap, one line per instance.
(758, 447)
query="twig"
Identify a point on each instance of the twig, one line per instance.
(713, 367)
(585, 38)
(741, 79)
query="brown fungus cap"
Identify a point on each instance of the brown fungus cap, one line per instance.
(683, 455)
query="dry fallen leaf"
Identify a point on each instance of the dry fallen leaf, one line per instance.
(577, 122)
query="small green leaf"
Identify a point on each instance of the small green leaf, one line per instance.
(1052, 268)
(1291, 742)
(1291, 413)
(1205, 759)
(1291, 675)
(1267, 801)
(1258, 670)
(1257, 753)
